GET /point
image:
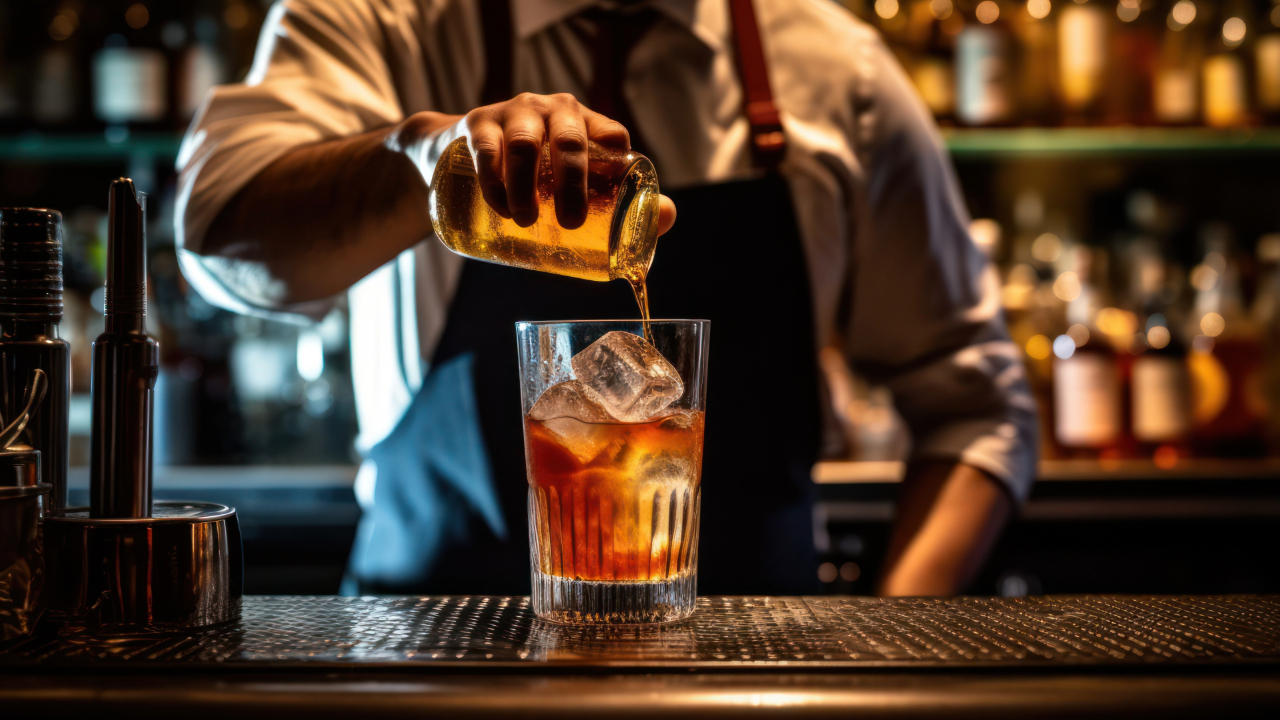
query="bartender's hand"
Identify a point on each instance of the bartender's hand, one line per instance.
(506, 141)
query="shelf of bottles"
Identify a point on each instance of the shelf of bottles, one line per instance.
(1141, 63)
(1152, 342)
(1121, 153)
(91, 89)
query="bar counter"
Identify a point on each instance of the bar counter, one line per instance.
(738, 656)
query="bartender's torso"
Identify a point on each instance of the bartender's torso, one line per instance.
(881, 225)
(359, 65)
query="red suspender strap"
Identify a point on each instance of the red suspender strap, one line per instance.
(768, 144)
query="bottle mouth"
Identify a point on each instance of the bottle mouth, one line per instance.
(633, 233)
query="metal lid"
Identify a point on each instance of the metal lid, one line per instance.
(19, 467)
(7, 493)
(31, 264)
(163, 512)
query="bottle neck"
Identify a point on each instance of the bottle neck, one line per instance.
(132, 323)
(15, 329)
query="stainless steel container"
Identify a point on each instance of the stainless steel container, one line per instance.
(179, 569)
(22, 574)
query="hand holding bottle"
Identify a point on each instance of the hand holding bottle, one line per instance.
(506, 141)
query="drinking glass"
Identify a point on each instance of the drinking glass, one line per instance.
(613, 506)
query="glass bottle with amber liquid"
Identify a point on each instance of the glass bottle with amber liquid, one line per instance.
(1225, 73)
(1087, 383)
(1082, 60)
(986, 83)
(1266, 315)
(1266, 54)
(1226, 359)
(1176, 86)
(1159, 387)
(617, 240)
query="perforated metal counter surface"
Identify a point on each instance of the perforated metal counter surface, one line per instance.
(320, 656)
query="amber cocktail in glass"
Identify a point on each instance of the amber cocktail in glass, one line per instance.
(613, 428)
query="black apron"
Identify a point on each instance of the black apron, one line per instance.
(735, 257)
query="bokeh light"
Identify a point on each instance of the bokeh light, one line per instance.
(987, 12)
(1039, 347)
(1047, 248)
(1064, 347)
(137, 16)
(1067, 287)
(1212, 324)
(1233, 31)
(886, 9)
(1158, 337)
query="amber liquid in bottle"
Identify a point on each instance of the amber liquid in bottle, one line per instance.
(616, 241)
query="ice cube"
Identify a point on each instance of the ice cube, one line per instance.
(587, 441)
(568, 400)
(664, 470)
(574, 419)
(627, 376)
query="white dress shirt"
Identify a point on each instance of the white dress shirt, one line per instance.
(895, 279)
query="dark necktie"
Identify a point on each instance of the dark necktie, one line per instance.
(617, 32)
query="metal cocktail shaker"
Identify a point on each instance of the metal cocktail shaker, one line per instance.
(22, 571)
(125, 564)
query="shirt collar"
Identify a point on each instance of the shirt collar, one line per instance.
(532, 16)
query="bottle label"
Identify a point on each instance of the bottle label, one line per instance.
(1225, 101)
(1086, 395)
(129, 85)
(1161, 403)
(1175, 95)
(936, 84)
(982, 94)
(1082, 53)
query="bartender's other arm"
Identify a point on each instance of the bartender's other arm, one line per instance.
(924, 318)
(360, 201)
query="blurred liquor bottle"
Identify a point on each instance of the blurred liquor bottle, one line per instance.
(1225, 72)
(1036, 33)
(1226, 359)
(985, 71)
(934, 25)
(131, 70)
(1032, 311)
(10, 88)
(1087, 382)
(201, 65)
(1134, 49)
(57, 83)
(1082, 60)
(1160, 392)
(1266, 314)
(1267, 63)
(1176, 94)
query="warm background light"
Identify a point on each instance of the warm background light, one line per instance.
(987, 12)
(886, 9)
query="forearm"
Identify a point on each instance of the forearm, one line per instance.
(323, 216)
(949, 516)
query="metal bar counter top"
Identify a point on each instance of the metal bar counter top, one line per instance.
(1065, 656)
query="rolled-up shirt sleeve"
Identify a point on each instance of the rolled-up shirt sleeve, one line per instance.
(319, 73)
(924, 314)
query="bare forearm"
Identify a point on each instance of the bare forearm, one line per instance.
(949, 516)
(322, 217)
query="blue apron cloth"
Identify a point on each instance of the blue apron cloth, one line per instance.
(452, 518)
